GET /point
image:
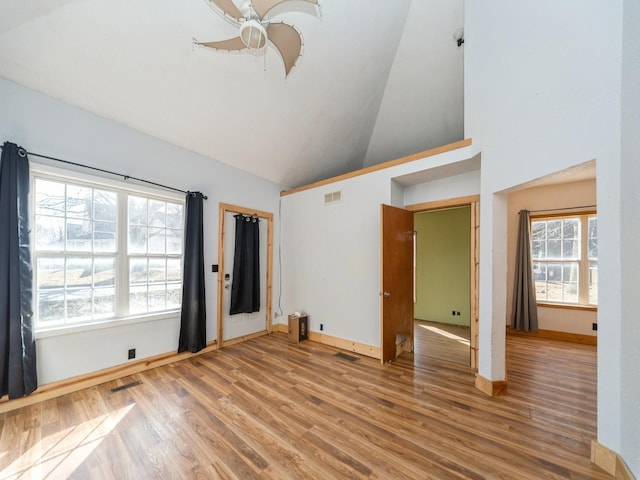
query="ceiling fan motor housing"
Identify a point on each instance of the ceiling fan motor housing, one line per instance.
(253, 34)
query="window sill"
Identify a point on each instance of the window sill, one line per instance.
(587, 308)
(104, 324)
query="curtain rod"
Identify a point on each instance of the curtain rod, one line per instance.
(562, 209)
(23, 153)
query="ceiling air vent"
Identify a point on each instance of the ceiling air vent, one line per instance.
(332, 197)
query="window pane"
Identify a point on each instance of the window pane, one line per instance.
(157, 270)
(137, 210)
(174, 270)
(104, 302)
(570, 283)
(538, 249)
(156, 240)
(104, 237)
(104, 271)
(138, 271)
(79, 235)
(554, 229)
(138, 300)
(570, 229)
(174, 296)
(157, 300)
(538, 231)
(174, 215)
(157, 213)
(554, 249)
(79, 304)
(50, 272)
(50, 198)
(51, 306)
(593, 238)
(137, 239)
(79, 272)
(554, 282)
(105, 205)
(570, 249)
(174, 242)
(540, 278)
(593, 283)
(49, 233)
(79, 202)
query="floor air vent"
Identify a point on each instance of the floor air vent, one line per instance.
(125, 386)
(344, 356)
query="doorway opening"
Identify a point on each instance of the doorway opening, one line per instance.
(446, 323)
(243, 326)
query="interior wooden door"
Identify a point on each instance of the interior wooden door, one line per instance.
(397, 278)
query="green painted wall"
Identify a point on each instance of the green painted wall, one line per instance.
(443, 277)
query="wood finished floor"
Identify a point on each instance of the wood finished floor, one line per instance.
(442, 341)
(270, 409)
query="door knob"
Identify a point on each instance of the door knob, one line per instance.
(384, 294)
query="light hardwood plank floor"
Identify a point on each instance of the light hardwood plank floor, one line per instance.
(270, 409)
(442, 341)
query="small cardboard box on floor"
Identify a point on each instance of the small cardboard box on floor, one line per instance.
(298, 327)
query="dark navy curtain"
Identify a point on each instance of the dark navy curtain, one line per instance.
(245, 288)
(193, 320)
(17, 343)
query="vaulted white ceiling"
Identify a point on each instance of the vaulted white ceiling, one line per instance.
(378, 79)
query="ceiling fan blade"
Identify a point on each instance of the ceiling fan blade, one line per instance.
(263, 6)
(231, 44)
(288, 42)
(228, 7)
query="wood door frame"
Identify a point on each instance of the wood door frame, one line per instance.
(472, 201)
(225, 208)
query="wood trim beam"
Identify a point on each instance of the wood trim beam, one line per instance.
(381, 166)
(447, 203)
(57, 389)
(553, 335)
(610, 462)
(492, 388)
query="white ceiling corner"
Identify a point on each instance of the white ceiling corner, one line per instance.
(377, 81)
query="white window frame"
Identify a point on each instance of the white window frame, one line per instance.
(122, 281)
(583, 262)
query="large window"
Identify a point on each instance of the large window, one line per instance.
(564, 252)
(103, 252)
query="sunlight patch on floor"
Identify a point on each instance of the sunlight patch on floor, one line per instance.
(446, 334)
(59, 454)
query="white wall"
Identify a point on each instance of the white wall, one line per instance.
(562, 195)
(331, 260)
(542, 93)
(44, 125)
(630, 223)
(462, 185)
(428, 119)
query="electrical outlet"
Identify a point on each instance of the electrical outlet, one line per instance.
(457, 313)
(594, 326)
(453, 312)
(132, 353)
(321, 327)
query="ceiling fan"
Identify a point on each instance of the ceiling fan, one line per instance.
(255, 32)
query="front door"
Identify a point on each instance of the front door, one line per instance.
(241, 326)
(397, 279)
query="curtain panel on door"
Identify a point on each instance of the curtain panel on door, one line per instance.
(193, 317)
(245, 288)
(17, 342)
